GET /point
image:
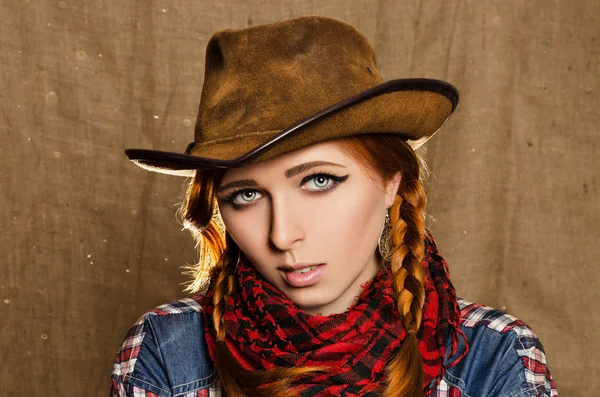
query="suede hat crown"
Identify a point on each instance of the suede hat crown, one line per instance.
(275, 88)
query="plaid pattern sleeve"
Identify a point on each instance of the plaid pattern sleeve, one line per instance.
(528, 347)
(127, 357)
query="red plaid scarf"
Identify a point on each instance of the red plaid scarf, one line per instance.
(265, 329)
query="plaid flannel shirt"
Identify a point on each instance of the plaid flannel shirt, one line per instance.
(164, 355)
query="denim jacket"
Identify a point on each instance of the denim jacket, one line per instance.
(164, 354)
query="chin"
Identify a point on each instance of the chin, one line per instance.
(310, 301)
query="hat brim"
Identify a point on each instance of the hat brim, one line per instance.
(412, 108)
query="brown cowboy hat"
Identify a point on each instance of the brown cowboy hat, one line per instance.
(275, 88)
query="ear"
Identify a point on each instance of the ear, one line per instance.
(392, 188)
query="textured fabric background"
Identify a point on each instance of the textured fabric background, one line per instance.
(91, 241)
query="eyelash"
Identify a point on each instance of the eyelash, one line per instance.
(229, 199)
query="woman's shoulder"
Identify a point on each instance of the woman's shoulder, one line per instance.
(164, 353)
(478, 316)
(505, 356)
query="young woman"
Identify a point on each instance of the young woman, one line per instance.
(317, 276)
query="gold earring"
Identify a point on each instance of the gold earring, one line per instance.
(384, 242)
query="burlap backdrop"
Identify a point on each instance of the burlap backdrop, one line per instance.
(91, 241)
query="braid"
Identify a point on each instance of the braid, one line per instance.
(405, 371)
(224, 286)
(223, 289)
(414, 241)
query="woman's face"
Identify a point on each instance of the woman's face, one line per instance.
(309, 221)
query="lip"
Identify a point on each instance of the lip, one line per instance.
(298, 266)
(299, 280)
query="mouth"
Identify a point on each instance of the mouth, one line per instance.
(303, 275)
(305, 270)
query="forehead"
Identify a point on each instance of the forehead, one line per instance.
(326, 151)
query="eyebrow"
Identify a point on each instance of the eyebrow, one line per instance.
(289, 173)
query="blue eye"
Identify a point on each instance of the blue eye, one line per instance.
(247, 196)
(322, 181)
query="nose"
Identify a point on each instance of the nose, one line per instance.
(286, 230)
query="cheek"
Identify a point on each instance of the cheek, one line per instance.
(248, 229)
(352, 225)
